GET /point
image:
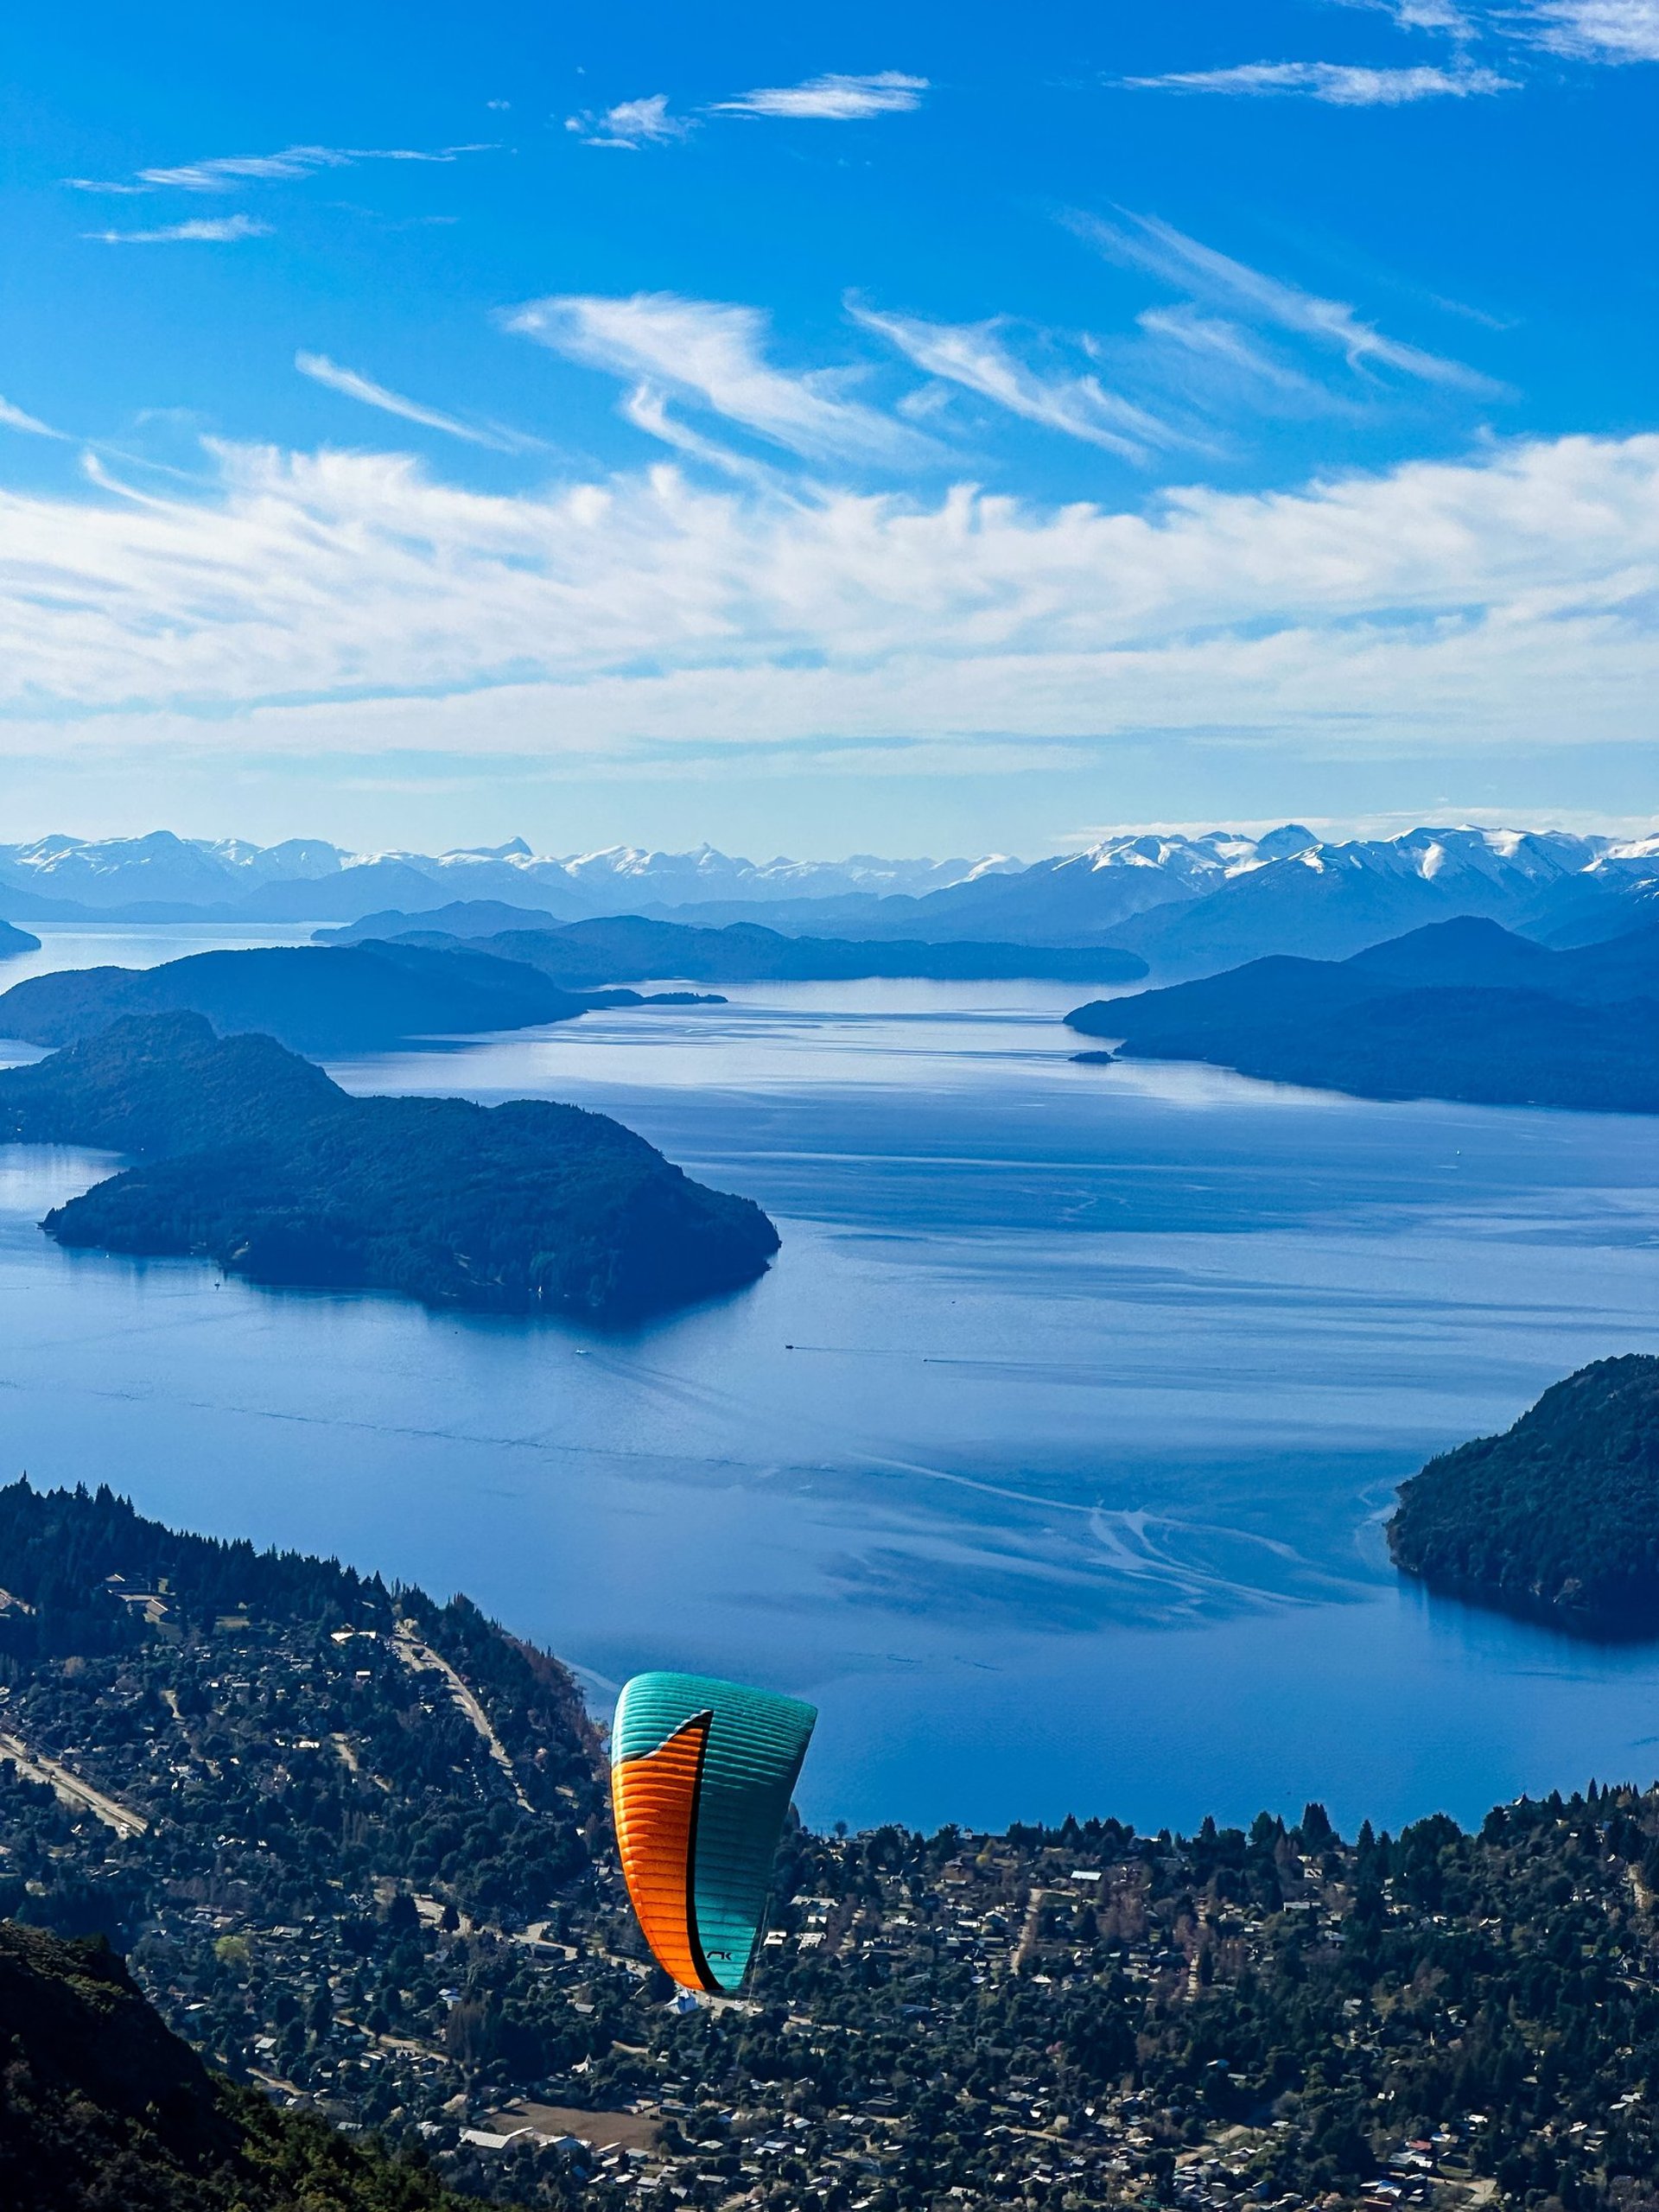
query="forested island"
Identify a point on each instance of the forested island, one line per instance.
(1558, 1517)
(14, 941)
(627, 947)
(1461, 1009)
(355, 1844)
(256, 1159)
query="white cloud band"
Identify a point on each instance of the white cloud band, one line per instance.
(348, 601)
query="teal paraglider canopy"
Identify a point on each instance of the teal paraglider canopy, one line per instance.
(702, 1774)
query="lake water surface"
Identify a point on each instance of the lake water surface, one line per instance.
(1049, 1458)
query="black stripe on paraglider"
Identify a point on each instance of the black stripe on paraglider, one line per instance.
(693, 1941)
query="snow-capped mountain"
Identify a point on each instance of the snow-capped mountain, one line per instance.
(1192, 905)
(1187, 903)
(1329, 900)
(700, 877)
(309, 878)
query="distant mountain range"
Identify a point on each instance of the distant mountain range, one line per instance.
(162, 877)
(1188, 905)
(1191, 906)
(1460, 1009)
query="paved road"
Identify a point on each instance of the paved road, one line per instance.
(36, 1766)
(422, 1657)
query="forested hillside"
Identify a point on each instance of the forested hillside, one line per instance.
(103, 2110)
(1462, 1009)
(1559, 1514)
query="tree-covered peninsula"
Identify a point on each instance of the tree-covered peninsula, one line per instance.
(253, 1158)
(1559, 1516)
(326, 999)
(1461, 1009)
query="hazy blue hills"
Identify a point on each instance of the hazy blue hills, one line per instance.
(1460, 1009)
(1610, 972)
(463, 919)
(14, 941)
(258, 1161)
(328, 1001)
(581, 955)
(1559, 1514)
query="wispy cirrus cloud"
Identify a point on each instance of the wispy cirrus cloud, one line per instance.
(351, 385)
(226, 172)
(1597, 30)
(1337, 84)
(1420, 15)
(1144, 242)
(714, 355)
(977, 357)
(647, 409)
(1230, 353)
(1608, 32)
(631, 124)
(831, 98)
(223, 230)
(15, 418)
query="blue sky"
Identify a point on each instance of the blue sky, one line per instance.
(918, 429)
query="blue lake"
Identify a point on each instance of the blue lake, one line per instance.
(1049, 1458)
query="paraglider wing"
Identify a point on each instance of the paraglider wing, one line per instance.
(702, 1773)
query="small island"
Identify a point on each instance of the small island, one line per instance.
(254, 1158)
(1557, 1518)
(14, 941)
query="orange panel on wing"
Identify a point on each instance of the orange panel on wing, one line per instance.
(655, 1801)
